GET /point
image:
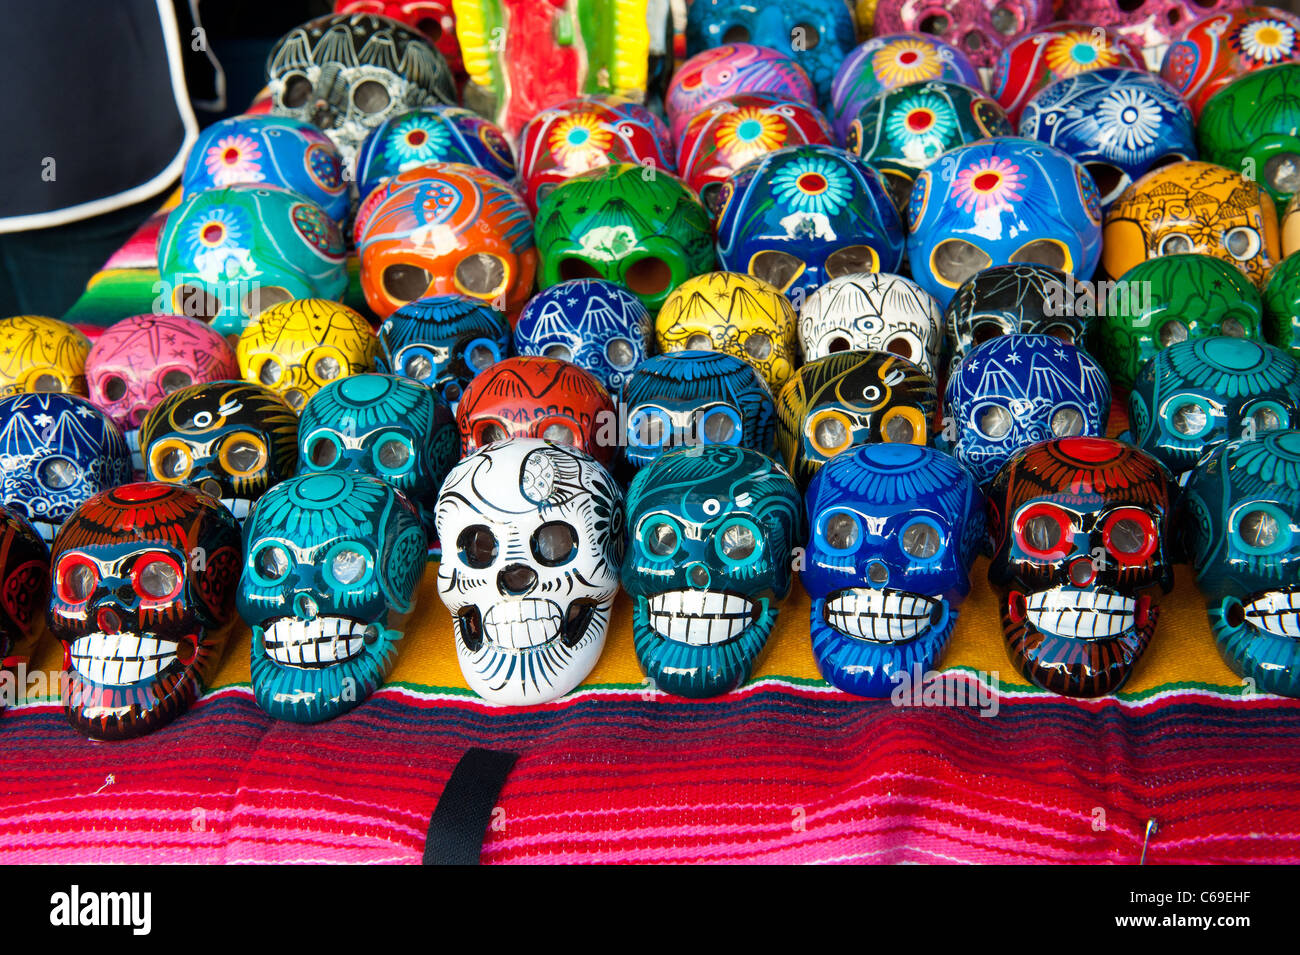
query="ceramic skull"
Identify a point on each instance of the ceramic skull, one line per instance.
(41, 354)
(873, 311)
(532, 538)
(24, 579)
(979, 29)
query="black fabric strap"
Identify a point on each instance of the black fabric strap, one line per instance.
(460, 820)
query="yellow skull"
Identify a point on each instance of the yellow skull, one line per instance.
(295, 348)
(735, 314)
(41, 354)
(1192, 207)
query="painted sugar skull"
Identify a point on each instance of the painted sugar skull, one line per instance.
(1016, 390)
(1080, 535)
(41, 354)
(1150, 26)
(889, 61)
(647, 233)
(1000, 202)
(443, 341)
(1170, 299)
(1018, 299)
(275, 150)
(432, 134)
(595, 324)
(735, 314)
(1253, 125)
(532, 538)
(1218, 48)
(24, 579)
(893, 531)
(232, 440)
(347, 73)
(296, 348)
(1193, 207)
(396, 429)
(710, 534)
(804, 215)
(1244, 505)
(819, 35)
(226, 254)
(901, 131)
(1281, 301)
(331, 564)
(695, 397)
(1196, 394)
(140, 360)
(534, 397)
(849, 399)
(141, 620)
(440, 229)
(588, 133)
(435, 20)
(873, 311)
(1119, 123)
(735, 130)
(1059, 50)
(729, 69)
(56, 451)
(980, 29)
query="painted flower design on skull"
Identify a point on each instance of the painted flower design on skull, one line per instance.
(1269, 41)
(750, 131)
(813, 184)
(991, 183)
(418, 138)
(579, 136)
(922, 127)
(1133, 118)
(1074, 52)
(907, 61)
(234, 159)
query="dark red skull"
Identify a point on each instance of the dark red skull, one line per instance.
(24, 578)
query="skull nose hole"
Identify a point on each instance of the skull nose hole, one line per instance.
(109, 620)
(516, 579)
(877, 572)
(698, 576)
(1234, 613)
(304, 607)
(1082, 571)
(211, 488)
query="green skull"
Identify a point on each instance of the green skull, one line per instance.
(1250, 126)
(1282, 306)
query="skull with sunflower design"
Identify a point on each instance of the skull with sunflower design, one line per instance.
(295, 348)
(1220, 47)
(224, 255)
(41, 354)
(710, 537)
(804, 215)
(981, 29)
(999, 202)
(1253, 124)
(729, 69)
(331, 565)
(901, 131)
(735, 314)
(873, 311)
(432, 134)
(1193, 207)
(1148, 26)
(1120, 123)
(588, 133)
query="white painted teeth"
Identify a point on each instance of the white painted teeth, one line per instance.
(879, 615)
(522, 624)
(237, 506)
(1083, 614)
(120, 659)
(1277, 612)
(699, 618)
(314, 643)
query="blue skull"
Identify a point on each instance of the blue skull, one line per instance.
(443, 341)
(695, 397)
(56, 450)
(1199, 393)
(393, 428)
(1244, 503)
(597, 325)
(1016, 390)
(331, 562)
(432, 134)
(817, 35)
(1120, 123)
(894, 531)
(708, 559)
(803, 215)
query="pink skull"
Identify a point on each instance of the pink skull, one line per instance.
(1149, 25)
(138, 360)
(979, 28)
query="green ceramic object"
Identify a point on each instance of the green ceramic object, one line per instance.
(1282, 306)
(1252, 125)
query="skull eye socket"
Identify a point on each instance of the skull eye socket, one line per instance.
(1005, 21)
(739, 541)
(170, 461)
(406, 283)
(953, 261)
(699, 342)
(1067, 422)
(243, 454)
(841, 531)
(157, 577)
(478, 546)
(1108, 177)
(758, 346)
(348, 565)
(326, 368)
(1190, 419)
(921, 539)
(58, 473)
(114, 388)
(323, 451)
(481, 274)
(807, 34)
(736, 33)
(554, 543)
(851, 260)
(901, 346)
(660, 538)
(394, 455)
(721, 426)
(993, 422)
(983, 331)
(1268, 417)
(776, 268)
(1232, 328)
(194, 301)
(270, 372)
(648, 276)
(573, 268)
(1262, 528)
(903, 426)
(175, 380)
(260, 299)
(1242, 243)
(1282, 172)
(558, 352)
(620, 353)
(1175, 243)
(1047, 252)
(270, 564)
(419, 367)
(560, 433)
(831, 432)
(481, 353)
(490, 432)
(296, 92)
(46, 383)
(1172, 332)
(936, 24)
(371, 96)
(1130, 535)
(649, 427)
(1042, 531)
(76, 579)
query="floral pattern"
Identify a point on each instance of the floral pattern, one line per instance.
(921, 127)
(907, 61)
(991, 183)
(1131, 118)
(750, 131)
(1268, 41)
(812, 184)
(579, 135)
(233, 159)
(415, 140)
(1078, 51)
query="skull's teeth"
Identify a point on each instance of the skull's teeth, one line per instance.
(120, 659)
(1082, 614)
(314, 643)
(699, 618)
(1276, 612)
(880, 616)
(522, 624)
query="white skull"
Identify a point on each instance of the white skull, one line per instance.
(532, 539)
(872, 311)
